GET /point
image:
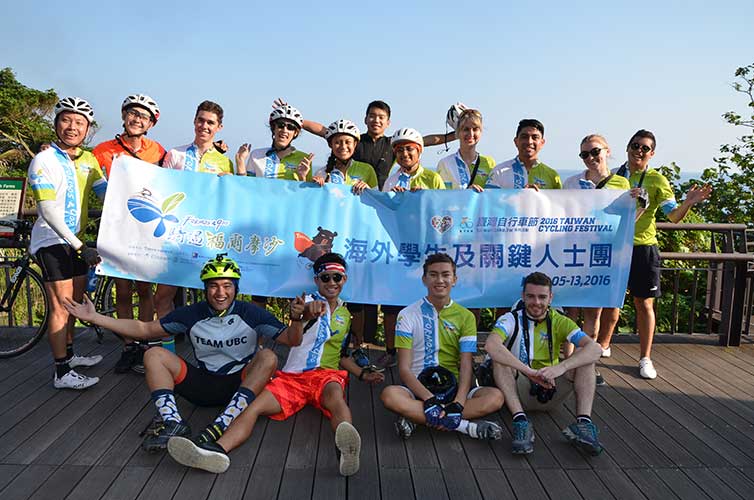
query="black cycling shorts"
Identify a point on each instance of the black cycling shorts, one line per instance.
(644, 278)
(205, 388)
(60, 262)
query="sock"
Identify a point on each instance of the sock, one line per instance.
(520, 417)
(584, 419)
(463, 427)
(238, 403)
(68, 351)
(61, 366)
(392, 351)
(164, 401)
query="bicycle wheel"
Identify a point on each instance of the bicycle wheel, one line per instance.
(25, 310)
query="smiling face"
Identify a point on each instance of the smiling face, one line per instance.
(206, 125)
(537, 299)
(469, 132)
(71, 128)
(640, 150)
(529, 143)
(220, 293)
(440, 278)
(283, 133)
(343, 146)
(137, 120)
(597, 164)
(377, 120)
(330, 284)
(407, 155)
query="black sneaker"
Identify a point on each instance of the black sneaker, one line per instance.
(138, 366)
(523, 438)
(404, 427)
(127, 358)
(156, 438)
(599, 380)
(210, 434)
(208, 456)
(585, 436)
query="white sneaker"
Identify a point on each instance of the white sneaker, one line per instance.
(647, 369)
(77, 360)
(606, 353)
(348, 442)
(73, 380)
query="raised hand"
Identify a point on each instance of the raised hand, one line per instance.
(304, 167)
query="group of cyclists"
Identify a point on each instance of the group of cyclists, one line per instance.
(431, 341)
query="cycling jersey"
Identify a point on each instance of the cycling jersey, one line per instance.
(512, 175)
(456, 174)
(105, 152)
(186, 158)
(579, 181)
(435, 339)
(660, 196)
(537, 353)
(422, 178)
(55, 176)
(264, 162)
(325, 340)
(223, 344)
(356, 171)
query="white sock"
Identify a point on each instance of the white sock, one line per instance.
(463, 427)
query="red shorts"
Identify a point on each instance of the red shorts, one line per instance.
(293, 391)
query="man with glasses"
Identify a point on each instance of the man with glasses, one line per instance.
(653, 191)
(139, 113)
(316, 373)
(525, 170)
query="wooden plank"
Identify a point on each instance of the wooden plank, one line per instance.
(725, 374)
(429, 483)
(298, 474)
(614, 446)
(195, 485)
(525, 484)
(711, 484)
(263, 484)
(8, 472)
(164, 481)
(696, 432)
(650, 484)
(95, 483)
(396, 483)
(364, 485)
(391, 450)
(328, 483)
(60, 483)
(619, 485)
(128, 443)
(588, 483)
(735, 480)
(459, 477)
(231, 485)
(129, 483)
(268, 468)
(493, 485)
(681, 485)
(557, 484)
(26, 482)
(566, 455)
(141, 458)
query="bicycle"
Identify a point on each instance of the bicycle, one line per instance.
(24, 304)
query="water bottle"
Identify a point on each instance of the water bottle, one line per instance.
(91, 280)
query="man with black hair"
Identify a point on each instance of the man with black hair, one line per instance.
(316, 373)
(436, 339)
(524, 348)
(224, 335)
(525, 170)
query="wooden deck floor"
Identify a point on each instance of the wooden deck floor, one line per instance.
(688, 434)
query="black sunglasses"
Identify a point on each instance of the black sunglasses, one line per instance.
(325, 278)
(644, 148)
(594, 153)
(285, 125)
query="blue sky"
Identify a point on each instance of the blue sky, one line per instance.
(580, 67)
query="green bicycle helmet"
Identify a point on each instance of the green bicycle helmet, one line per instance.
(221, 266)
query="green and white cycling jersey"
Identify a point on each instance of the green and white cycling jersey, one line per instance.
(456, 174)
(512, 174)
(435, 338)
(422, 178)
(264, 162)
(187, 158)
(537, 353)
(325, 341)
(579, 181)
(660, 196)
(55, 176)
(356, 171)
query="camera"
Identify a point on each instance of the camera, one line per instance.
(542, 394)
(643, 198)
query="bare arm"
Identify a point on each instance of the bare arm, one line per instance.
(438, 139)
(464, 379)
(694, 196)
(315, 128)
(588, 352)
(370, 377)
(132, 328)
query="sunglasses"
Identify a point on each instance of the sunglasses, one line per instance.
(325, 278)
(644, 148)
(285, 125)
(594, 153)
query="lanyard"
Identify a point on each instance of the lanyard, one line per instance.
(526, 336)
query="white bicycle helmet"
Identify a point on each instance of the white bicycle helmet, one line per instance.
(407, 135)
(287, 112)
(75, 105)
(144, 101)
(343, 127)
(454, 113)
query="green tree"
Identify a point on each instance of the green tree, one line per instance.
(732, 179)
(24, 122)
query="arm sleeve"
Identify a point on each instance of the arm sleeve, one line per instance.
(467, 340)
(665, 196)
(404, 330)
(504, 326)
(54, 218)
